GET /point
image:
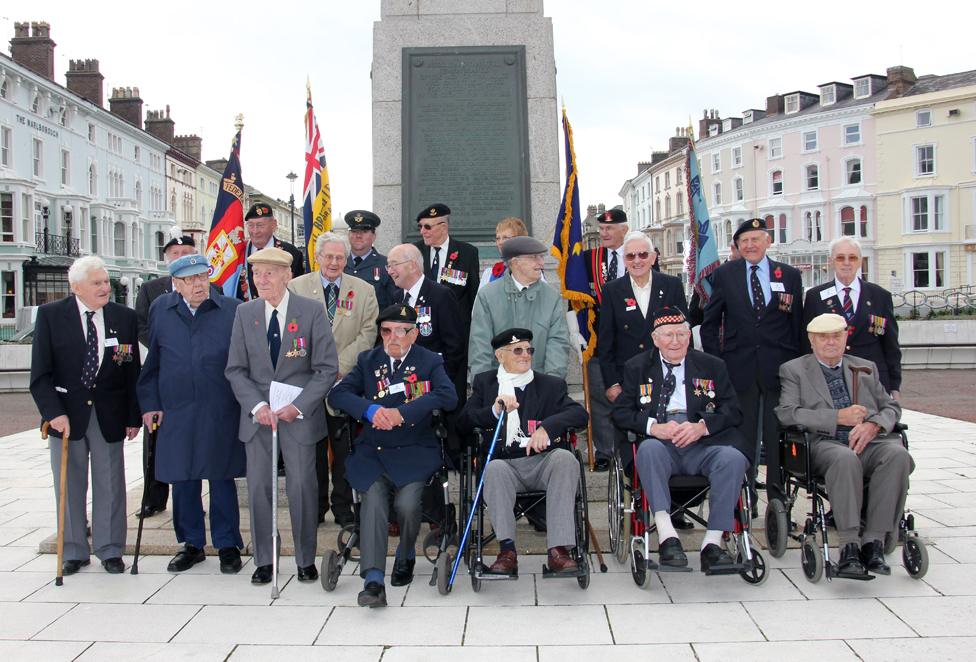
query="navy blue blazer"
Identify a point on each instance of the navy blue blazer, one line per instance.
(406, 454)
(468, 266)
(372, 269)
(441, 332)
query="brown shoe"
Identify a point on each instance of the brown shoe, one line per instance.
(393, 530)
(505, 564)
(561, 561)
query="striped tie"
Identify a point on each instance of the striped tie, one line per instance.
(332, 295)
(848, 304)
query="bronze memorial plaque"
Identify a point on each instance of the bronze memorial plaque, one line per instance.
(465, 137)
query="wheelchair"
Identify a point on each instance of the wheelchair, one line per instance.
(631, 520)
(526, 501)
(797, 472)
(435, 544)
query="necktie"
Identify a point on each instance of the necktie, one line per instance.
(758, 299)
(848, 304)
(90, 367)
(331, 295)
(356, 260)
(274, 338)
(612, 271)
(396, 364)
(666, 393)
(406, 297)
(435, 266)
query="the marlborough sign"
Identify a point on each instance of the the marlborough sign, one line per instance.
(37, 126)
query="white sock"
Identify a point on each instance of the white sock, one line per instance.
(665, 529)
(712, 538)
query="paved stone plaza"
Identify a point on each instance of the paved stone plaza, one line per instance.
(203, 615)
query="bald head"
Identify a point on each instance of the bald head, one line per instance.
(405, 265)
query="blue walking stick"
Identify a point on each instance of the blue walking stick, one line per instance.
(477, 496)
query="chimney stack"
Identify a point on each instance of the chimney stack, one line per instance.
(900, 80)
(160, 125)
(191, 145)
(33, 48)
(126, 103)
(85, 80)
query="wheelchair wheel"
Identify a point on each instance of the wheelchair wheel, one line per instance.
(638, 570)
(618, 498)
(777, 528)
(330, 570)
(475, 582)
(915, 557)
(584, 579)
(443, 569)
(757, 575)
(812, 559)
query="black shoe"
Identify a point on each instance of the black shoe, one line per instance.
(601, 464)
(114, 566)
(680, 522)
(872, 556)
(262, 575)
(715, 560)
(344, 518)
(755, 510)
(73, 566)
(372, 595)
(672, 555)
(230, 560)
(186, 558)
(402, 572)
(308, 574)
(850, 565)
(149, 510)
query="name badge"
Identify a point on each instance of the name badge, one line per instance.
(776, 287)
(829, 292)
(397, 388)
(111, 342)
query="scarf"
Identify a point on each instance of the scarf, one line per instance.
(507, 383)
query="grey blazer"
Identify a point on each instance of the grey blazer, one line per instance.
(250, 372)
(805, 399)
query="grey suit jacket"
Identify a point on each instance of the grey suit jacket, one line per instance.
(805, 399)
(250, 372)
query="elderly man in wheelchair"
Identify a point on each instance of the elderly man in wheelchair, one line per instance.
(535, 454)
(681, 401)
(851, 421)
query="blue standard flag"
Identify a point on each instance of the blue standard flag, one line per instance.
(567, 247)
(703, 255)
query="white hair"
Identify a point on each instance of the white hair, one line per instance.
(639, 236)
(410, 253)
(79, 270)
(331, 238)
(846, 240)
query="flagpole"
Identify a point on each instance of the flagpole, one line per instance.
(590, 453)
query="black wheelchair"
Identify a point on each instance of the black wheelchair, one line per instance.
(631, 520)
(479, 536)
(797, 472)
(444, 524)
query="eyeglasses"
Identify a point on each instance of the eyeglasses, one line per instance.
(639, 254)
(669, 336)
(194, 278)
(332, 258)
(391, 265)
(396, 332)
(429, 226)
(518, 351)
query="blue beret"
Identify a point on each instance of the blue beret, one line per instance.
(188, 265)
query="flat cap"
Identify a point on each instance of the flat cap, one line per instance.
(435, 210)
(185, 240)
(271, 255)
(398, 312)
(510, 337)
(748, 226)
(612, 217)
(259, 210)
(827, 323)
(188, 265)
(517, 246)
(668, 315)
(360, 219)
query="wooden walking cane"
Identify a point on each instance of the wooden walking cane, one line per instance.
(63, 497)
(596, 546)
(148, 461)
(855, 371)
(590, 452)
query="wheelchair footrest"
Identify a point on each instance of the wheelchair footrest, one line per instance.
(731, 569)
(835, 574)
(483, 572)
(672, 568)
(580, 571)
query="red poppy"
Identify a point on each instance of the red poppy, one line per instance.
(453, 256)
(351, 294)
(411, 378)
(292, 327)
(778, 273)
(498, 269)
(630, 302)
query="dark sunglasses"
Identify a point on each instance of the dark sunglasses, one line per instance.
(641, 254)
(428, 226)
(518, 351)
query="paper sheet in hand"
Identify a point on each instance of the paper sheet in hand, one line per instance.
(282, 394)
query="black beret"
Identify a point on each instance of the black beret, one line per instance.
(517, 246)
(179, 241)
(612, 217)
(668, 315)
(747, 226)
(360, 219)
(259, 210)
(398, 312)
(510, 337)
(435, 210)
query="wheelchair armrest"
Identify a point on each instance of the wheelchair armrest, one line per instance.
(899, 427)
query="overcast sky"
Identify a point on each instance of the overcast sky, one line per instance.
(629, 71)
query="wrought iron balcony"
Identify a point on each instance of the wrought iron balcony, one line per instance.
(56, 244)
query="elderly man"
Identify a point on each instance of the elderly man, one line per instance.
(520, 299)
(84, 367)
(350, 305)
(448, 261)
(870, 315)
(753, 322)
(683, 401)
(853, 441)
(183, 388)
(393, 390)
(285, 340)
(157, 493)
(365, 261)
(535, 453)
(261, 226)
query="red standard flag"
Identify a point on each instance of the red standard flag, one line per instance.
(225, 246)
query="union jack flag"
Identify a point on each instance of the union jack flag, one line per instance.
(317, 206)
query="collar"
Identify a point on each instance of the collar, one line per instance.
(82, 308)
(326, 282)
(677, 366)
(353, 253)
(415, 290)
(443, 248)
(282, 306)
(193, 311)
(763, 265)
(519, 285)
(403, 358)
(273, 241)
(636, 287)
(855, 285)
(830, 367)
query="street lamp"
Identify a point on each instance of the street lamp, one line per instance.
(291, 202)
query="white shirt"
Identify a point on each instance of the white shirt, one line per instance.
(855, 291)
(282, 309)
(678, 401)
(442, 256)
(99, 321)
(401, 359)
(519, 286)
(620, 262)
(415, 291)
(642, 294)
(193, 311)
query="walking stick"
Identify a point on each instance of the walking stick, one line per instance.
(274, 510)
(855, 371)
(596, 545)
(147, 462)
(62, 491)
(590, 452)
(477, 496)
